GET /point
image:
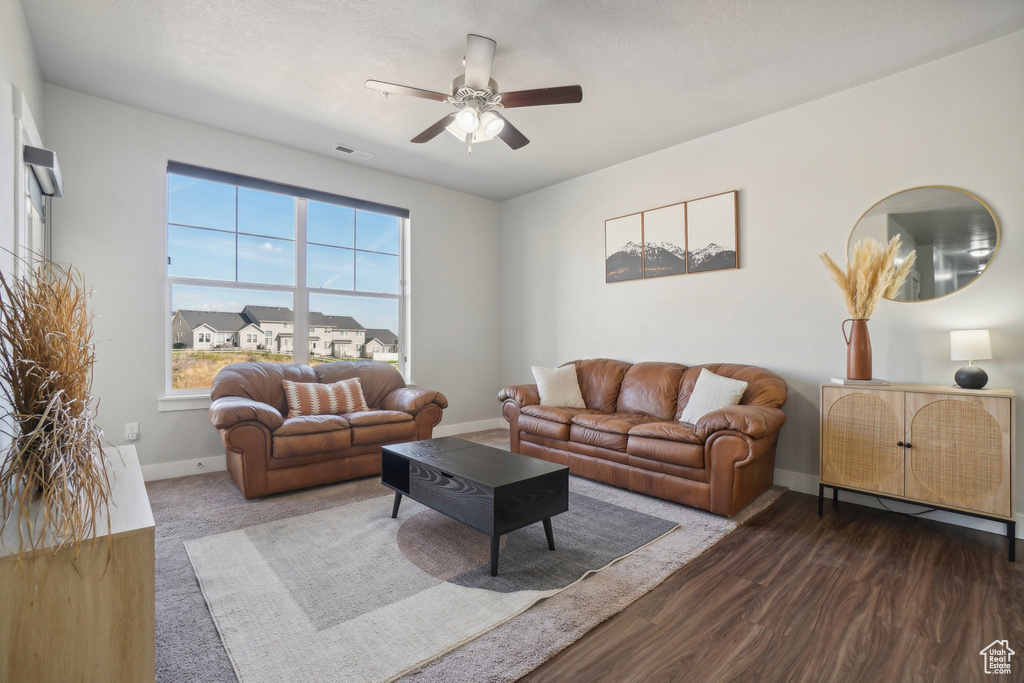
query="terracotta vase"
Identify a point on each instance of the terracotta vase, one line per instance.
(858, 349)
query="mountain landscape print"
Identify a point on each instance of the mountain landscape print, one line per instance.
(623, 239)
(712, 257)
(695, 236)
(665, 241)
(711, 233)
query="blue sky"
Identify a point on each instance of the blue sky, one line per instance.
(267, 253)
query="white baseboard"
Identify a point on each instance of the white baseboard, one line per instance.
(183, 468)
(218, 463)
(808, 483)
(465, 427)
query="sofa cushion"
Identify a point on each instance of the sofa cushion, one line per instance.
(291, 445)
(710, 393)
(554, 414)
(764, 387)
(665, 451)
(549, 421)
(605, 431)
(614, 423)
(651, 389)
(366, 418)
(391, 432)
(311, 424)
(669, 431)
(600, 379)
(598, 439)
(377, 379)
(314, 398)
(558, 386)
(260, 382)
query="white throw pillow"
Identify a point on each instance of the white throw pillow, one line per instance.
(710, 393)
(558, 387)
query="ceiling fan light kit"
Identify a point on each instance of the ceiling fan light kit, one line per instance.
(477, 98)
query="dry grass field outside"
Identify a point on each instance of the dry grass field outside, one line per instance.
(196, 369)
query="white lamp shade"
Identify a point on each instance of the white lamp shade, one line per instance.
(969, 345)
(467, 120)
(491, 124)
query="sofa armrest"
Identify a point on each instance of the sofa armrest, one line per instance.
(521, 395)
(228, 411)
(413, 401)
(754, 421)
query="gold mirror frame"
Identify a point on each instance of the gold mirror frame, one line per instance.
(995, 250)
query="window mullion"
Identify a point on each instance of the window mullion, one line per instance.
(300, 304)
(236, 234)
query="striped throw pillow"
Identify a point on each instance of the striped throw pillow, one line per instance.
(711, 392)
(313, 398)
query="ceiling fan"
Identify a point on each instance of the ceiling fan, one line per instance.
(477, 100)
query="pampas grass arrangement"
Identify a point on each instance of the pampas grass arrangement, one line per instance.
(52, 476)
(871, 275)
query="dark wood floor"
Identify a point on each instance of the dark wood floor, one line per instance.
(858, 595)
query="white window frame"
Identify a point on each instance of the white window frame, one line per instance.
(299, 343)
(26, 133)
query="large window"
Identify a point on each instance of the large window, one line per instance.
(263, 271)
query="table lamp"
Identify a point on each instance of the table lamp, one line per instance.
(970, 345)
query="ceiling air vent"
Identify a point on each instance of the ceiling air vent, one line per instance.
(353, 152)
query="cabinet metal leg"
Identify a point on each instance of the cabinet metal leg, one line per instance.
(549, 533)
(835, 496)
(821, 499)
(394, 508)
(1011, 537)
(495, 542)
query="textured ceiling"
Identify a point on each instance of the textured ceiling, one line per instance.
(653, 73)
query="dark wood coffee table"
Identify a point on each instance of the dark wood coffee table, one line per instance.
(488, 489)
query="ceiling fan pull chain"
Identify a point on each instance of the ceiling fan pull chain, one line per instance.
(469, 143)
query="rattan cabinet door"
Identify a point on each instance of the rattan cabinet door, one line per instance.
(860, 430)
(959, 453)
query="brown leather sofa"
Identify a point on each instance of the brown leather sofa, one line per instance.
(269, 453)
(630, 436)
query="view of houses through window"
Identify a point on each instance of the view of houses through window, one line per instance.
(240, 256)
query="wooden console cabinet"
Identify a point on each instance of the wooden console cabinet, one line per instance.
(943, 447)
(91, 620)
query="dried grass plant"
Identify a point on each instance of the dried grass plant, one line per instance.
(872, 273)
(53, 474)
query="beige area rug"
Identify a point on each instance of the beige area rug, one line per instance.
(347, 593)
(517, 647)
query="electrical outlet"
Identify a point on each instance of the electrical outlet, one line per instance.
(131, 431)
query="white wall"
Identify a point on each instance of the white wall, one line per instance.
(804, 177)
(18, 67)
(110, 225)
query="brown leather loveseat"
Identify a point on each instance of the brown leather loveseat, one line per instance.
(268, 452)
(630, 436)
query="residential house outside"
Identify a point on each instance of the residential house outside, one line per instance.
(381, 345)
(212, 330)
(271, 328)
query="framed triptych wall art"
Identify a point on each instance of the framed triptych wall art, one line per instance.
(694, 236)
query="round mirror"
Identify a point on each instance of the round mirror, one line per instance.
(954, 233)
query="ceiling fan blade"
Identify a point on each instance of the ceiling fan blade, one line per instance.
(479, 57)
(396, 89)
(435, 130)
(510, 135)
(566, 94)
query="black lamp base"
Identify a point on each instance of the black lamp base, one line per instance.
(971, 377)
